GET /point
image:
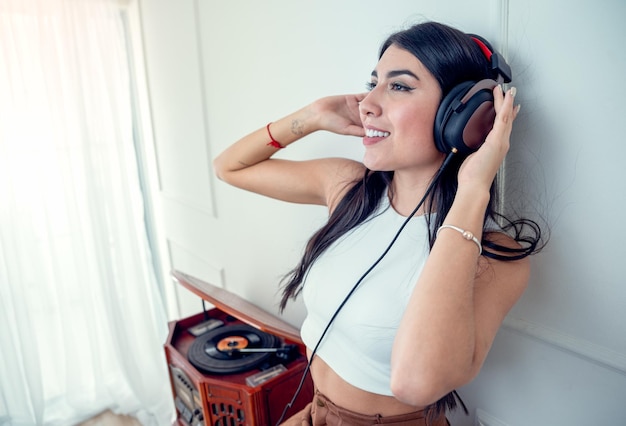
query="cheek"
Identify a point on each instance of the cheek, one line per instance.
(419, 124)
(419, 134)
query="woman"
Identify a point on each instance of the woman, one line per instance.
(390, 345)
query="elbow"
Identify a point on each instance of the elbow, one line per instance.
(218, 169)
(418, 392)
(426, 388)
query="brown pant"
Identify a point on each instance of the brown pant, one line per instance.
(322, 412)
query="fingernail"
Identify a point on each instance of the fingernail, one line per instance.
(513, 91)
(519, 106)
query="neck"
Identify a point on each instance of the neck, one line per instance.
(408, 186)
(406, 193)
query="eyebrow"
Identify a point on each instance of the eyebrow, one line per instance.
(396, 73)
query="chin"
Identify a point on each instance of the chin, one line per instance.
(375, 164)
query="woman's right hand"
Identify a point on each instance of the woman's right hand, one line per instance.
(339, 114)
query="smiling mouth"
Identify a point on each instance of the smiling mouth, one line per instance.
(376, 133)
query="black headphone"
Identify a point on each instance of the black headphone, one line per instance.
(466, 114)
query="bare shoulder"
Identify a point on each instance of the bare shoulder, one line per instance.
(341, 175)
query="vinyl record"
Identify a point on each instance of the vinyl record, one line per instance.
(216, 352)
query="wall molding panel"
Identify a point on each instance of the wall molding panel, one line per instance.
(581, 348)
(175, 77)
(207, 208)
(185, 260)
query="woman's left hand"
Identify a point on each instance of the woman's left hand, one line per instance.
(480, 167)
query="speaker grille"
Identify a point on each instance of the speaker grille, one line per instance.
(226, 414)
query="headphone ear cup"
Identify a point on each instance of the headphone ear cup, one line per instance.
(465, 117)
(443, 115)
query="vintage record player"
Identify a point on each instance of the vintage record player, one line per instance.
(235, 364)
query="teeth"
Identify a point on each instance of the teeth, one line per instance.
(376, 134)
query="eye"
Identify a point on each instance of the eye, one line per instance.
(400, 87)
(370, 85)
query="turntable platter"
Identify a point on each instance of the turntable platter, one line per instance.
(220, 351)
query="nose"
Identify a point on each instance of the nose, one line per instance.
(370, 105)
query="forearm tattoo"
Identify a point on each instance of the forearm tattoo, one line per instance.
(297, 127)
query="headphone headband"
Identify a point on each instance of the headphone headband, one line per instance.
(486, 50)
(500, 69)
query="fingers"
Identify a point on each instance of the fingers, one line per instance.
(505, 100)
(506, 112)
(361, 96)
(355, 130)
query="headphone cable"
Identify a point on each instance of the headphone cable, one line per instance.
(365, 274)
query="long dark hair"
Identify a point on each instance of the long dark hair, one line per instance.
(452, 58)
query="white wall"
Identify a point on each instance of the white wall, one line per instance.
(217, 70)
(566, 338)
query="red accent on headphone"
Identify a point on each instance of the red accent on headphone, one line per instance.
(483, 47)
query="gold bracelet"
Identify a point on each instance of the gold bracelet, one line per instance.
(466, 234)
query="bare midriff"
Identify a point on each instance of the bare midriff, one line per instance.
(343, 394)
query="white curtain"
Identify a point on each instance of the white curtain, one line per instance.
(82, 324)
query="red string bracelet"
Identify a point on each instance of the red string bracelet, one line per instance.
(273, 142)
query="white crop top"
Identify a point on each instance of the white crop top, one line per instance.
(358, 344)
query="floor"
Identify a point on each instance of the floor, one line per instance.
(107, 418)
